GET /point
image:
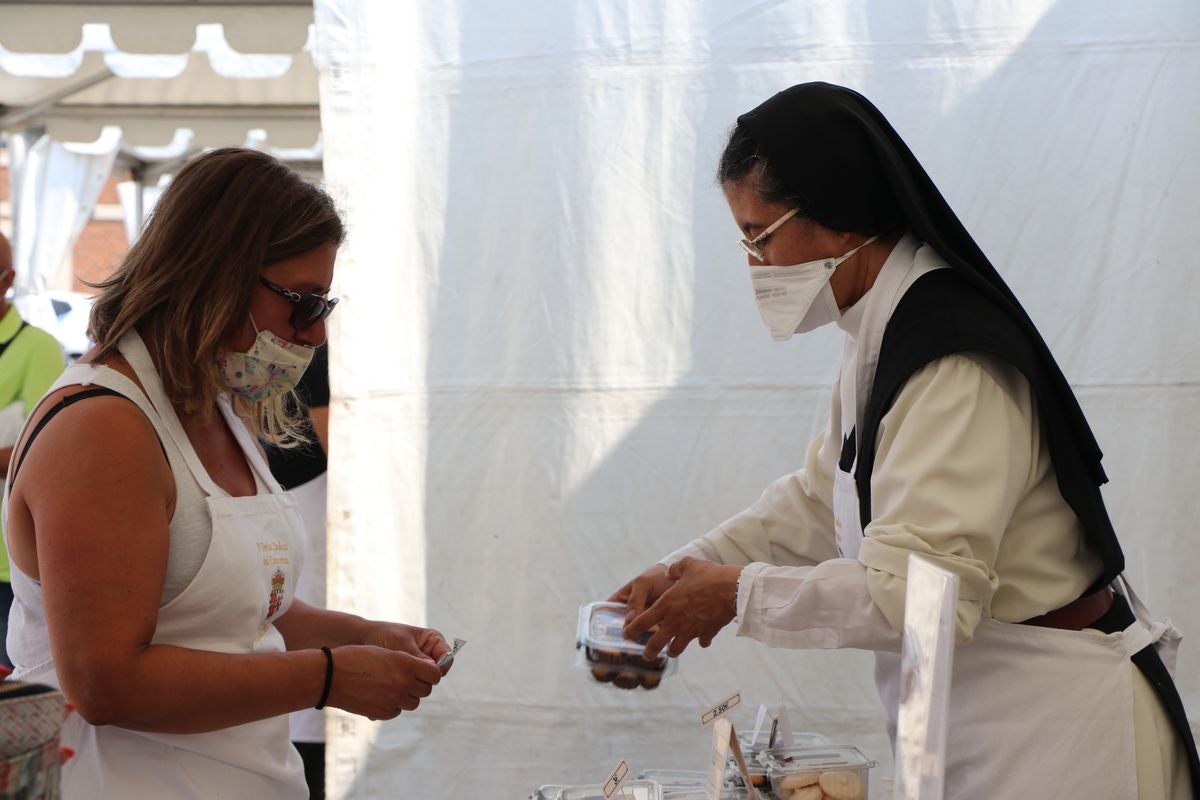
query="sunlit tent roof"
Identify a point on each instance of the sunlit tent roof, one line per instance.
(212, 71)
(87, 86)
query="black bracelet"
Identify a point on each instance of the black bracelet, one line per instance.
(328, 677)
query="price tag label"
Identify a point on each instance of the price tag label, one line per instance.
(720, 709)
(617, 779)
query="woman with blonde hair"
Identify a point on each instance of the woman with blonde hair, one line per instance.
(154, 558)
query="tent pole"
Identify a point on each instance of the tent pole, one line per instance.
(48, 102)
(138, 173)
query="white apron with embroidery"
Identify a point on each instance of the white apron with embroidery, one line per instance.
(246, 581)
(1034, 712)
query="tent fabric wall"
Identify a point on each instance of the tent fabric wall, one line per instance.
(548, 366)
(55, 188)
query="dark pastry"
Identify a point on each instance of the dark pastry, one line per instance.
(603, 673)
(627, 679)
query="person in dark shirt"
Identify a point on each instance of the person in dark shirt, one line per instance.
(301, 471)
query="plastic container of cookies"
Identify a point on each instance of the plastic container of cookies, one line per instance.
(838, 771)
(701, 794)
(753, 747)
(632, 790)
(610, 657)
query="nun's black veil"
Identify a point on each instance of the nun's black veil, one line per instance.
(852, 172)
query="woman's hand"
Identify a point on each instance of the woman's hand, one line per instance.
(642, 591)
(700, 600)
(380, 682)
(425, 643)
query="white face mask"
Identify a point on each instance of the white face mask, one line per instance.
(271, 366)
(798, 299)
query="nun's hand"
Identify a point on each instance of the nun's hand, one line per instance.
(699, 602)
(642, 591)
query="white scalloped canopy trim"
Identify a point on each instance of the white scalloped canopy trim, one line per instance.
(155, 28)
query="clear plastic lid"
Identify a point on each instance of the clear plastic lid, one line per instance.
(550, 791)
(702, 794)
(823, 758)
(632, 790)
(601, 629)
(799, 738)
(674, 781)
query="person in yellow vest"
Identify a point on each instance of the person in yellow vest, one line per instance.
(30, 360)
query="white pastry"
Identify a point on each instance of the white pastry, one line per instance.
(798, 780)
(812, 792)
(843, 785)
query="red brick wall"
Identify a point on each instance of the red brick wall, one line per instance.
(109, 193)
(99, 250)
(103, 243)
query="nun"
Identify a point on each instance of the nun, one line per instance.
(953, 434)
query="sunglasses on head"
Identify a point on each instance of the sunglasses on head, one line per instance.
(310, 308)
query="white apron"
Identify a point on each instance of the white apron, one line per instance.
(1034, 712)
(1038, 712)
(246, 581)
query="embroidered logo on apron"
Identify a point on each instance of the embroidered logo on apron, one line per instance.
(277, 582)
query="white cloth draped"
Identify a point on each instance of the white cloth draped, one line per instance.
(551, 371)
(55, 188)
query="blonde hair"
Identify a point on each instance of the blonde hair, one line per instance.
(188, 280)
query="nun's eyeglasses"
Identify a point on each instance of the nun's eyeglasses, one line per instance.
(751, 245)
(310, 308)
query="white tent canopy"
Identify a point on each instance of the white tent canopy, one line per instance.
(208, 88)
(155, 26)
(145, 85)
(550, 371)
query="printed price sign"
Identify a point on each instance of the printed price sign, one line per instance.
(720, 709)
(725, 741)
(617, 779)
